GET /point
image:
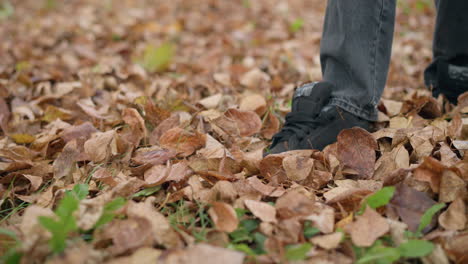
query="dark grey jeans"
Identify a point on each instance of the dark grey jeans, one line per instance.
(356, 47)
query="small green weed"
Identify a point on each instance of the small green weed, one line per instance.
(64, 223)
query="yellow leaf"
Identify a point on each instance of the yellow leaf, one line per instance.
(22, 138)
(156, 59)
(52, 113)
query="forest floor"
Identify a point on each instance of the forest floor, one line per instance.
(132, 131)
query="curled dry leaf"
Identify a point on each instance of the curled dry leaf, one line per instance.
(454, 218)
(253, 102)
(264, 189)
(84, 131)
(410, 205)
(64, 164)
(294, 203)
(156, 175)
(393, 107)
(153, 157)
(129, 234)
(35, 181)
(330, 241)
(451, 187)
(368, 228)
(161, 230)
(297, 168)
(254, 78)
(211, 101)
(185, 143)
(271, 125)
(101, 146)
(224, 216)
(144, 255)
(356, 150)
(4, 114)
(248, 122)
(204, 254)
(264, 211)
(105, 175)
(136, 126)
(430, 171)
(322, 217)
(167, 124)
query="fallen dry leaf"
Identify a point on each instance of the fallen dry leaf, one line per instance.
(330, 241)
(368, 228)
(183, 142)
(297, 168)
(454, 218)
(224, 216)
(161, 230)
(101, 146)
(253, 102)
(204, 254)
(410, 205)
(248, 122)
(356, 150)
(264, 211)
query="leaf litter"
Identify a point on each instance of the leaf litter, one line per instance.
(133, 133)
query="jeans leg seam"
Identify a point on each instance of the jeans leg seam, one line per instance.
(352, 108)
(374, 55)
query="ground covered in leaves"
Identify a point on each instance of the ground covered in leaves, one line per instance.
(133, 131)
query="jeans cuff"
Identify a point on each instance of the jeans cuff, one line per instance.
(367, 114)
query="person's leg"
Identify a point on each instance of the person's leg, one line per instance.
(355, 52)
(448, 72)
(355, 55)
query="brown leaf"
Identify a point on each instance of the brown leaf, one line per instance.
(456, 247)
(64, 164)
(203, 254)
(156, 175)
(368, 228)
(81, 131)
(248, 122)
(183, 142)
(410, 205)
(451, 187)
(129, 234)
(356, 150)
(454, 218)
(101, 146)
(271, 125)
(254, 78)
(211, 101)
(155, 114)
(136, 126)
(253, 102)
(456, 126)
(153, 157)
(144, 255)
(322, 217)
(430, 171)
(262, 210)
(4, 114)
(159, 227)
(104, 175)
(393, 107)
(294, 203)
(35, 181)
(330, 241)
(167, 124)
(265, 189)
(224, 217)
(297, 168)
